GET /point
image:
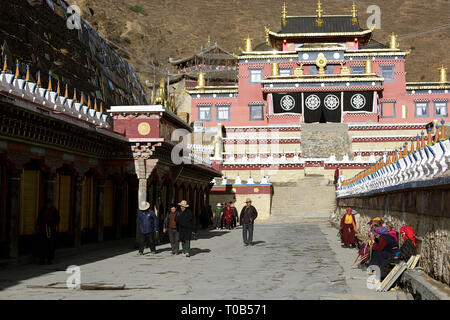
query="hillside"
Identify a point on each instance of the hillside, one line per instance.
(151, 31)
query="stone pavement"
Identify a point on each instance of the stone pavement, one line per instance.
(292, 259)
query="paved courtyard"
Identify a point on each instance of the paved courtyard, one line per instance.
(291, 259)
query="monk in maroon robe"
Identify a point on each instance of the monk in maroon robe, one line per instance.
(348, 229)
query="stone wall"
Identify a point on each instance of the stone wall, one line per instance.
(427, 211)
(322, 140)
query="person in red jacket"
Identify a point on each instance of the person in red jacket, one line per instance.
(228, 216)
(348, 229)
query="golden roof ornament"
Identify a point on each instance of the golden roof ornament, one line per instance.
(49, 83)
(354, 14)
(66, 92)
(442, 74)
(248, 44)
(74, 94)
(17, 75)
(275, 69)
(321, 62)
(95, 103)
(38, 83)
(58, 90)
(319, 12)
(298, 71)
(89, 101)
(82, 99)
(267, 30)
(201, 79)
(27, 77)
(5, 64)
(393, 42)
(368, 66)
(101, 107)
(284, 14)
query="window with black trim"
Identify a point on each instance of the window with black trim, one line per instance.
(256, 112)
(440, 108)
(387, 72)
(204, 113)
(421, 109)
(255, 76)
(223, 112)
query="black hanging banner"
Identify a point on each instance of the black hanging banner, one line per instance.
(322, 107)
(358, 101)
(287, 102)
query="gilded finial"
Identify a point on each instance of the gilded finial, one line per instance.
(248, 44)
(95, 103)
(319, 12)
(58, 91)
(89, 101)
(442, 74)
(368, 66)
(17, 75)
(101, 107)
(66, 92)
(82, 99)
(27, 77)
(284, 14)
(393, 43)
(354, 14)
(49, 88)
(201, 79)
(74, 94)
(5, 64)
(267, 30)
(38, 83)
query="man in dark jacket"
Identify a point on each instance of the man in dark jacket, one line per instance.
(148, 225)
(185, 227)
(47, 224)
(246, 219)
(170, 226)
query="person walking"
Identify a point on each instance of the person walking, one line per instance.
(217, 216)
(228, 214)
(47, 223)
(247, 220)
(348, 229)
(170, 226)
(235, 215)
(148, 226)
(185, 226)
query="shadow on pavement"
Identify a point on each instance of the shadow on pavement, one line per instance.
(195, 251)
(258, 242)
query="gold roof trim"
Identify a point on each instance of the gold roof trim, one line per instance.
(214, 89)
(427, 85)
(267, 56)
(322, 78)
(322, 34)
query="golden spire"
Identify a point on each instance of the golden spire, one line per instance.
(442, 74)
(66, 93)
(5, 64)
(284, 14)
(368, 66)
(27, 77)
(74, 94)
(267, 30)
(275, 69)
(201, 79)
(38, 84)
(248, 44)
(354, 13)
(95, 103)
(319, 12)
(50, 82)
(82, 99)
(58, 91)
(393, 43)
(89, 102)
(101, 107)
(17, 75)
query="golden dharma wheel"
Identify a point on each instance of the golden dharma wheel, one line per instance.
(143, 128)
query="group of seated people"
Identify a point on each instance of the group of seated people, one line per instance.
(382, 248)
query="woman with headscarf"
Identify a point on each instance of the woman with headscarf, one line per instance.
(348, 229)
(384, 248)
(408, 247)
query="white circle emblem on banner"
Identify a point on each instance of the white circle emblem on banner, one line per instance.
(312, 102)
(287, 103)
(331, 102)
(358, 101)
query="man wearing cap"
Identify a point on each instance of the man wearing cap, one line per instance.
(185, 226)
(170, 226)
(247, 218)
(148, 225)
